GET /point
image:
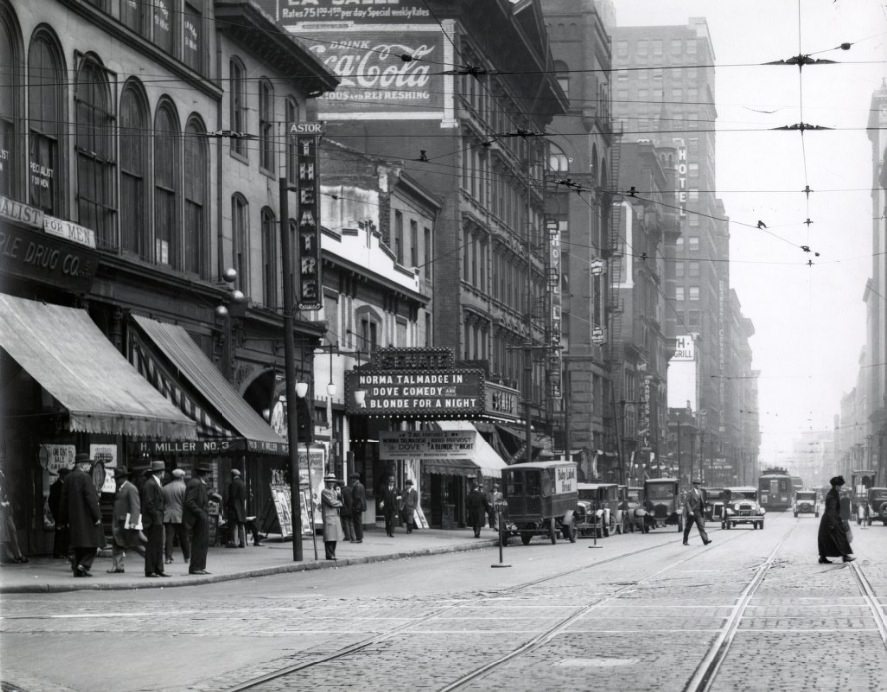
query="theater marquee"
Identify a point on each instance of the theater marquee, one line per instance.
(435, 394)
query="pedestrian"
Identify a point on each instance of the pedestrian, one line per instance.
(358, 506)
(832, 538)
(478, 508)
(345, 512)
(409, 505)
(153, 506)
(495, 501)
(196, 518)
(60, 541)
(174, 494)
(693, 507)
(330, 503)
(126, 524)
(235, 510)
(80, 511)
(389, 506)
(8, 531)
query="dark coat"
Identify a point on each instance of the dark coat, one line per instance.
(80, 510)
(153, 503)
(196, 503)
(126, 501)
(347, 503)
(390, 502)
(832, 538)
(477, 507)
(235, 507)
(358, 497)
(55, 499)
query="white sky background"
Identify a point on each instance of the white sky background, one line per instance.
(809, 322)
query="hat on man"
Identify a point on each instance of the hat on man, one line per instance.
(121, 472)
(330, 478)
(158, 465)
(82, 458)
(178, 473)
(202, 467)
(837, 480)
(408, 482)
(697, 482)
(354, 475)
(235, 472)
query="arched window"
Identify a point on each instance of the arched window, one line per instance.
(196, 201)
(269, 258)
(266, 126)
(237, 94)
(94, 147)
(563, 76)
(557, 159)
(240, 240)
(593, 165)
(46, 118)
(166, 187)
(134, 161)
(11, 100)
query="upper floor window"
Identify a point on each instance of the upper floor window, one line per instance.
(292, 117)
(563, 76)
(557, 160)
(134, 171)
(622, 49)
(240, 240)
(166, 187)
(46, 118)
(237, 94)
(414, 243)
(10, 102)
(192, 39)
(426, 260)
(164, 25)
(397, 240)
(94, 146)
(269, 258)
(133, 13)
(694, 243)
(266, 126)
(196, 200)
(693, 270)
(694, 292)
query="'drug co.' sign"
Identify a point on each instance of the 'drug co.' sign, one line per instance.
(431, 393)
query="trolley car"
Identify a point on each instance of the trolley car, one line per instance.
(775, 490)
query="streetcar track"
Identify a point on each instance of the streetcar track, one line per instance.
(380, 637)
(871, 600)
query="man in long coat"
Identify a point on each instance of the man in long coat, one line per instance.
(410, 505)
(174, 494)
(390, 502)
(345, 512)
(478, 507)
(80, 512)
(153, 504)
(126, 522)
(196, 518)
(358, 506)
(60, 544)
(235, 510)
(330, 502)
(832, 538)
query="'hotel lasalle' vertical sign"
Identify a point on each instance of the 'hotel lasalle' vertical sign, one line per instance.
(307, 136)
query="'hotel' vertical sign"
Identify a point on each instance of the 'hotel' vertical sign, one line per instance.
(307, 136)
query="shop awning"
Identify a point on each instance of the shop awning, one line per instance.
(483, 457)
(191, 381)
(64, 350)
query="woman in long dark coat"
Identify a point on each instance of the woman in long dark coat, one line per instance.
(832, 535)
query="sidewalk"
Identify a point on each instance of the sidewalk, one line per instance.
(47, 575)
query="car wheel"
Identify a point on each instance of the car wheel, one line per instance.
(723, 525)
(761, 526)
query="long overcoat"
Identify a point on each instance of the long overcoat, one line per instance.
(235, 507)
(477, 507)
(329, 508)
(832, 537)
(80, 510)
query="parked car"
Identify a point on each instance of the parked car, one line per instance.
(596, 509)
(714, 503)
(877, 505)
(806, 502)
(663, 497)
(541, 499)
(743, 508)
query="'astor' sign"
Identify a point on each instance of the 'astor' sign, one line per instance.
(439, 393)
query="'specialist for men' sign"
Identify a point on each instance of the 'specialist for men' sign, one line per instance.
(426, 444)
(417, 382)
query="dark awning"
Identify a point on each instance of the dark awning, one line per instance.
(169, 358)
(64, 350)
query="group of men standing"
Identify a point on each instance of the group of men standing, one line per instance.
(142, 516)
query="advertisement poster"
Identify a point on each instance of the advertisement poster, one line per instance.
(107, 454)
(55, 457)
(311, 469)
(280, 493)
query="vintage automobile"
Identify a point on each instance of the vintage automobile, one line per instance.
(663, 496)
(714, 503)
(634, 515)
(541, 499)
(806, 502)
(877, 505)
(860, 482)
(743, 508)
(596, 509)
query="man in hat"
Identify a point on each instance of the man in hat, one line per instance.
(174, 494)
(389, 506)
(126, 524)
(235, 511)
(693, 508)
(153, 505)
(358, 506)
(80, 512)
(477, 506)
(410, 504)
(196, 518)
(330, 502)
(60, 544)
(832, 537)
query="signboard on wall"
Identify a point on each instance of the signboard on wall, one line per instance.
(301, 13)
(403, 392)
(402, 445)
(307, 135)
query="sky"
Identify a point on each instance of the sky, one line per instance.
(809, 321)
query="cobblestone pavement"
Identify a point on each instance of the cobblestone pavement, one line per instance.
(621, 618)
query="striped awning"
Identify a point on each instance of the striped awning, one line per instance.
(482, 458)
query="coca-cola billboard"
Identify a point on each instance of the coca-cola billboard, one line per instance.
(376, 79)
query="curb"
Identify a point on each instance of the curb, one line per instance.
(263, 572)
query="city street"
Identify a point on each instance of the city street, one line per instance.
(753, 610)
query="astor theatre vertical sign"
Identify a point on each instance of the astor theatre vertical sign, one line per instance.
(307, 135)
